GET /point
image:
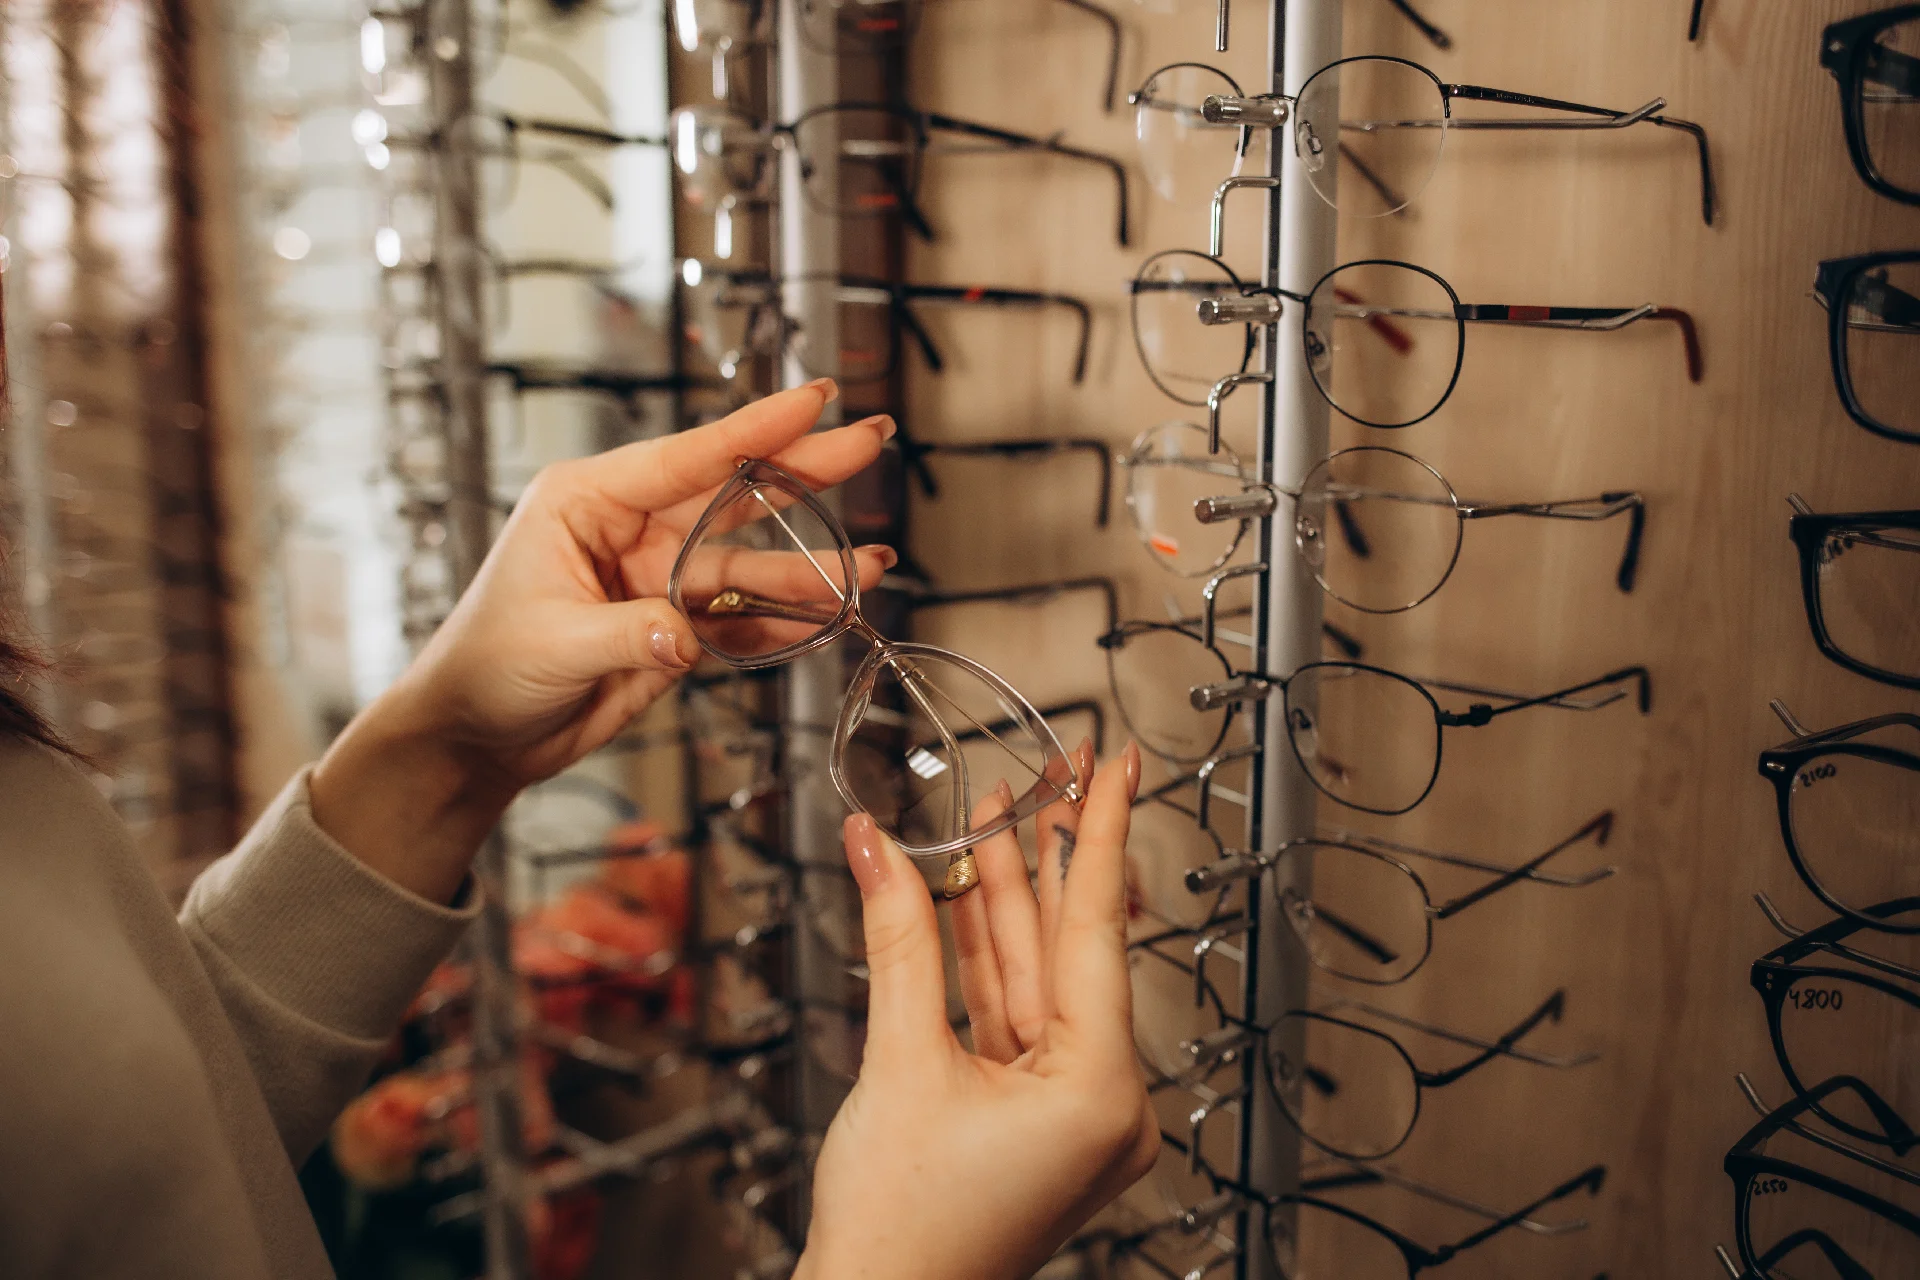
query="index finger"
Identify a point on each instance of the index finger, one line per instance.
(1092, 988)
(653, 474)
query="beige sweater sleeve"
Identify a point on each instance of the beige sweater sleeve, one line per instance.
(314, 958)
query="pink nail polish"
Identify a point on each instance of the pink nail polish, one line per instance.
(888, 556)
(1131, 760)
(866, 854)
(665, 647)
(828, 389)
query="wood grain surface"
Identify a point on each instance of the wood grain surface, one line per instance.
(1655, 960)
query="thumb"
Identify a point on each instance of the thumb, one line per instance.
(907, 986)
(631, 635)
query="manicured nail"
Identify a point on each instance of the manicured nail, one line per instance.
(828, 389)
(888, 556)
(881, 422)
(1004, 792)
(866, 854)
(1130, 759)
(1084, 754)
(665, 647)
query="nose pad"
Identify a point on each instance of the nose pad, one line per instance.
(1307, 145)
(1306, 734)
(1309, 538)
(1319, 350)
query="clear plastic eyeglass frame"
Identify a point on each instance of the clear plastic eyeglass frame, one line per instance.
(816, 620)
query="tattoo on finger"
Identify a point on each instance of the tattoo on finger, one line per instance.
(1067, 839)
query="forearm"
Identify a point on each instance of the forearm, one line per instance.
(409, 803)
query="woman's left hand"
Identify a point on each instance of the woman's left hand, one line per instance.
(563, 637)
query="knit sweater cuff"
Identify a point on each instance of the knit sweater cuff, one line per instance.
(316, 929)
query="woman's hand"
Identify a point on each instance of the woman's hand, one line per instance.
(949, 1165)
(564, 636)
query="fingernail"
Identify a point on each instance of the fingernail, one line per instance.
(829, 390)
(1130, 759)
(881, 422)
(888, 556)
(1084, 753)
(866, 855)
(665, 647)
(1004, 791)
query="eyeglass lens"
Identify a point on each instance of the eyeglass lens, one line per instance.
(1183, 155)
(1385, 118)
(1810, 1234)
(1882, 335)
(933, 738)
(1868, 580)
(1184, 357)
(1383, 342)
(1366, 918)
(1308, 1242)
(1889, 105)
(1854, 814)
(1379, 529)
(1151, 670)
(1368, 739)
(870, 153)
(1168, 471)
(1824, 1020)
(767, 575)
(1354, 1094)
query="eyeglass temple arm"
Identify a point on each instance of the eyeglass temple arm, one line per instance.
(1599, 828)
(1024, 141)
(1505, 1047)
(1839, 1259)
(1604, 319)
(1439, 38)
(1107, 588)
(1112, 25)
(1589, 1181)
(577, 132)
(914, 452)
(1838, 948)
(1356, 1174)
(1607, 119)
(1012, 298)
(903, 315)
(1900, 1136)
(1604, 507)
(1481, 713)
(1693, 22)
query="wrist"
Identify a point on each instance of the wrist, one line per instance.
(403, 796)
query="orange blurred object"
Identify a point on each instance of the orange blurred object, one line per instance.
(380, 1137)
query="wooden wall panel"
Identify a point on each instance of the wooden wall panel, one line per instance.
(1654, 960)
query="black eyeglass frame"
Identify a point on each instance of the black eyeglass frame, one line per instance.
(1810, 532)
(1744, 1165)
(1774, 977)
(1833, 285)
(1782, 765)
(1844, 50)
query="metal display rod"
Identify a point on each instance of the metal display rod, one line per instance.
(807, 256)
(459, 257)
(1301, 242)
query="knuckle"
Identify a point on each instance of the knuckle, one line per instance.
(891, 939)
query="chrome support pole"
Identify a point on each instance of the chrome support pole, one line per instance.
(1301, 242)
(808, 257)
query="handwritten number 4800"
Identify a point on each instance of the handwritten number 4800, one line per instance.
(1815, 997)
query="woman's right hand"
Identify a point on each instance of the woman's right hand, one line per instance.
(950, 1165)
